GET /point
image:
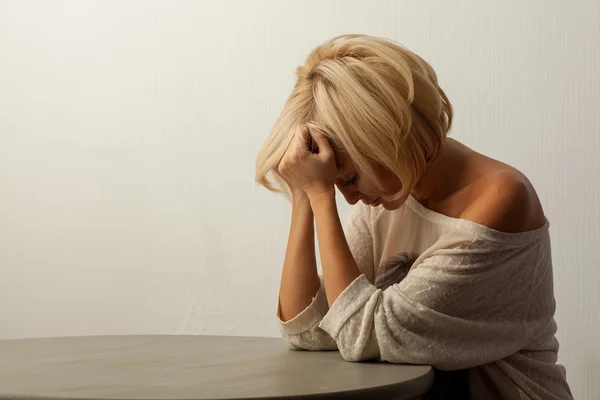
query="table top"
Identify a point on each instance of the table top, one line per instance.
(193, 367)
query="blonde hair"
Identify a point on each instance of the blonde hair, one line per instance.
(373, 99)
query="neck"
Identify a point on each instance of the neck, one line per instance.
(444, 176)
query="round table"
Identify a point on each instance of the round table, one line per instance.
(170, 367)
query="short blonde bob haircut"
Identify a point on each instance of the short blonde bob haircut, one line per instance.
(373, 99)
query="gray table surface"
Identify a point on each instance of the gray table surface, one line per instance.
(193, 367)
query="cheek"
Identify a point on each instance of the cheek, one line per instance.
(367, 188)
(390, 182)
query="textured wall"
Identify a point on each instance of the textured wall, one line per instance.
(128, 131)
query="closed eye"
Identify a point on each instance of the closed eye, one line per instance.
(351, 180)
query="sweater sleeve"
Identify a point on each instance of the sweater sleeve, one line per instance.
(457, 308)
(303, 332)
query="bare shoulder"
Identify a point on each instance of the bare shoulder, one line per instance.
(506, 201)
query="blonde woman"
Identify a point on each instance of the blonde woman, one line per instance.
(445, 259)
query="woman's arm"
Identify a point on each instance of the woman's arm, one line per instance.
(303, 331)
(339, 267)
(432, 317)
(299, 279)
(315, 172)
(302, 301)
(467, 304)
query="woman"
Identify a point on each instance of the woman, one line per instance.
(447, 260)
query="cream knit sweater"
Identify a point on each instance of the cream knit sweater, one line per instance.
(445, 292)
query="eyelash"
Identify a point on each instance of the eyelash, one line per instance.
(351, 181)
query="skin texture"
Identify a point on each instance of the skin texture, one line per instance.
(460, 184)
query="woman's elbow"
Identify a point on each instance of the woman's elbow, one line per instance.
(357, 353)
(309, 342)
(353, 356)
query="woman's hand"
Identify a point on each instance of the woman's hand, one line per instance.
(313, 172)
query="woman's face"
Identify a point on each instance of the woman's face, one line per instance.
(356, 188)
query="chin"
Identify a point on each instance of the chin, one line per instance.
(393, 205)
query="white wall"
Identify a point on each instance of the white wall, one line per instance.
(128, 132)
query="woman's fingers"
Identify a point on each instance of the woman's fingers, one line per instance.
(304, 142)
(294, 149)
(324, 148)
(310, 143)
(308, 170)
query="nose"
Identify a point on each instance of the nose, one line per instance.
(351, 195)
